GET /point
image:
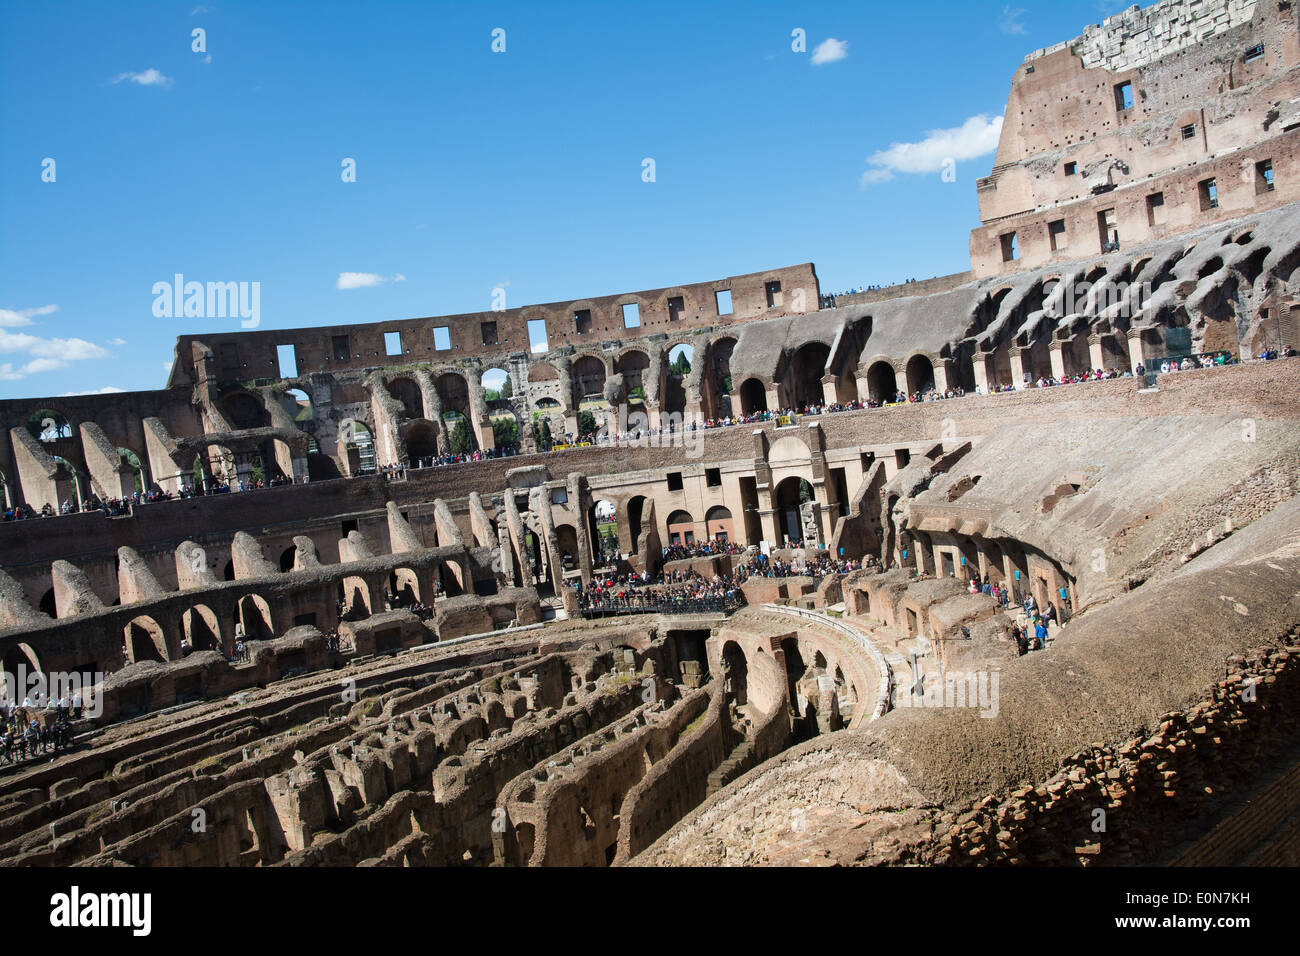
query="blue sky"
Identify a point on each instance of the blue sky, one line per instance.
(475, 170)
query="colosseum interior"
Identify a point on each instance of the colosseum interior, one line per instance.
(754, 580)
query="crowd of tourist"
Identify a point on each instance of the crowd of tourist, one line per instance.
(818, 566)
(701, 549)
(678, 591)
(1034, 633)
(24, 734)
(113, 507)
(827, 299)
(441, 461)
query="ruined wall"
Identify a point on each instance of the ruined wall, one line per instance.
(495, 335)
(1203, 103)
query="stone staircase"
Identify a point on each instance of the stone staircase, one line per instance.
(738, 761)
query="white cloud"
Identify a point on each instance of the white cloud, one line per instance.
(828, 51)
(12, 317)
(106, 390)
(149, 77)
(117, 341)
(978, 136)
(70, 349)
(1010, 22)
(877, 176)
(363, 280)
(46, 355)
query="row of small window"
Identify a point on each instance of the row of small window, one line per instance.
(537, 331)
(712, 479)
(1207, 191)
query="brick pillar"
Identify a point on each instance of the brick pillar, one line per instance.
(983, 365)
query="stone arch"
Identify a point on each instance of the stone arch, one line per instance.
(404, 584)
(603, 521)
(806, 367)
(632, 364)
(920, 374)
(499, 398)
(788, 498)
(882, 383)
(678, 362)
(202, 629)
(421, 437)
(496, 378)
(287, 558)
(70, 483)
(354, 592)
(356, 448)
(407, 391)
(254, 613)
(145, 640)
(296, 402)
(717, 385)
(19, 659)
(681, 527)
(453, 393)
(588, 378)
(49, 426)
(566, 544)
(718, 524)
(1076, 358)
(753, 397)
(635, 517)
(456, 407)
(138, 466)
(449, 578)
(735, 671)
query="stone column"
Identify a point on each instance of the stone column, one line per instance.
(830, 390)
(1018, 368)
(1136, 350)
(983, 365)
(1056, 352)
(941, 376)
(1095, 354)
